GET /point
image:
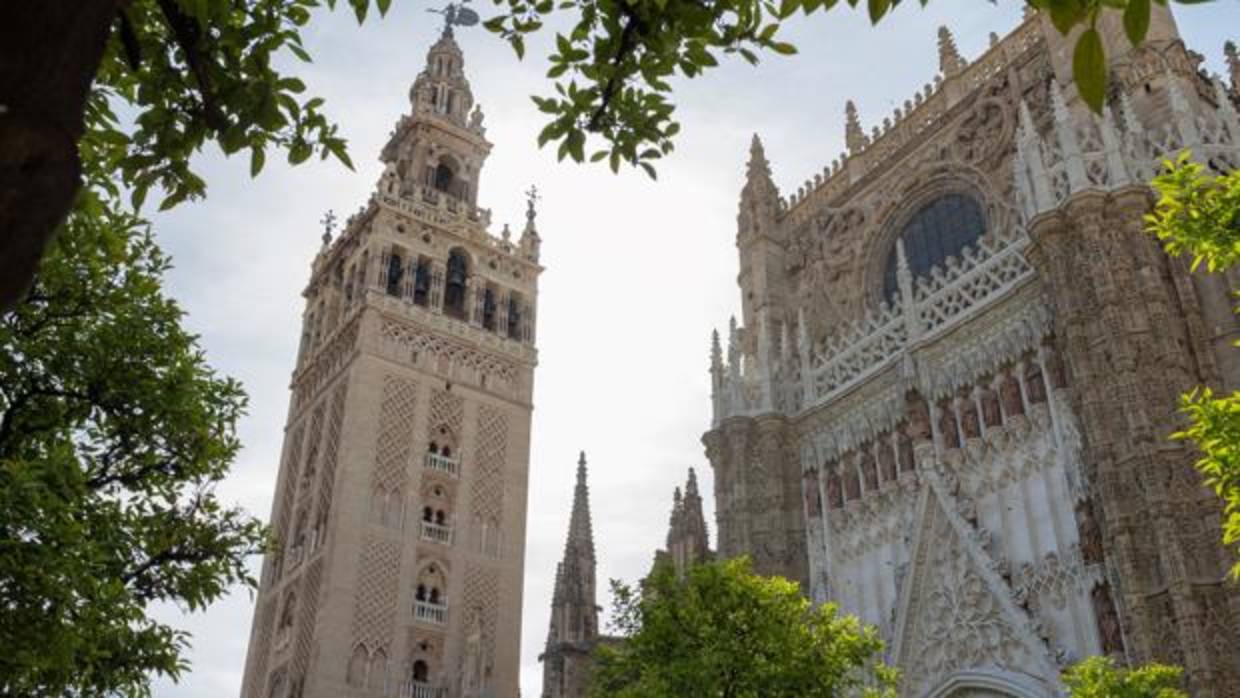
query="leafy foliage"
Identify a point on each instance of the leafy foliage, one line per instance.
(1199, 215)
(1099, 677)
(192, 71)
(725, 631)
(1214, 425)
(614, 69)
(113, 433)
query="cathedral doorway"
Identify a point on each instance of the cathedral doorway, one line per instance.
(991, 683)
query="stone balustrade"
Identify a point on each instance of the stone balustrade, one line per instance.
(443, 464)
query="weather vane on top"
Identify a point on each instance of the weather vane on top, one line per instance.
(456, 14)
(531, 198)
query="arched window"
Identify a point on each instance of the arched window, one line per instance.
(940, 229)
(420, 594)
(428, 514)
(395, 274)
(488, 309)
(454, 284)
(443, 178)
(421, 282)
(514, 316)
(421, 672)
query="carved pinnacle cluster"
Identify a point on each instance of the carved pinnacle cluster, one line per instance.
(854, 137)
(1233, 64)
(688, 541)
(950, 62)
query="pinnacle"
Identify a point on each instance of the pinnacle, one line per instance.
(950, 62)
(854, 137)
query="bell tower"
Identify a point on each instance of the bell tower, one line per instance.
(400, 504)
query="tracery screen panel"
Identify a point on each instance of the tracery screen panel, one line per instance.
(941, 229)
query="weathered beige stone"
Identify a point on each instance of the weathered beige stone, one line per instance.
(400, 503)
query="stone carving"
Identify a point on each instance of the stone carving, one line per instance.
(968, 417)
(947, 427)
(375, 601)
(990, 408)
(1009, 395)
(1091, 535)
(1108, 620)
(487, 489)
(1035, 389)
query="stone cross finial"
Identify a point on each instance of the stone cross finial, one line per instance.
(1233, 64)
(950, 62)
(329, 224)
(854, 137)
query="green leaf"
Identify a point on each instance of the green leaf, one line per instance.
(878, 8)
(1089, 69)
(1137, 20)
(257, 158)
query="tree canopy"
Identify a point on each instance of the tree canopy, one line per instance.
(191, 72)
(113, 435)
(724, 632)
(1099, 677)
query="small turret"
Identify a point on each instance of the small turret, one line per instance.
(950, 62)
(1233, 64)
(854, 136)
(688, 542)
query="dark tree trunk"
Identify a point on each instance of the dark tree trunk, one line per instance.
(50, 51)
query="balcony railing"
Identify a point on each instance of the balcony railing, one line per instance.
(443, 464)
(420, 690)
(433, 613)
(436, 533)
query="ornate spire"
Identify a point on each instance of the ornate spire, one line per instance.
(580, 529)
(854, 137)
(758, 165)
(950, 62)
(688, 542)
(1233, 64)
(574, 612)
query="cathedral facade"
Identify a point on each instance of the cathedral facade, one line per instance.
(400, 504)
(947, 404)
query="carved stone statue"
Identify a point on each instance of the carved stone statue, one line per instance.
(918, 415)
(1009, 394)
(947, 426)
(886, 458)
(1108, 619)
(1034, 387)
(1091, 534)
(906, 454)
(990, 408)
(812, 500)
(870, 471)
(968, 417)
(835, 498)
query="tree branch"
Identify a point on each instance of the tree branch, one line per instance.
(628, 37)
(188, 35)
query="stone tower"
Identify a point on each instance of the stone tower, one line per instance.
(948, 404)
(573, 634)
(400, 503)
(688, 542)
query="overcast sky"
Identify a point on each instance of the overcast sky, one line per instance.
(638, 273)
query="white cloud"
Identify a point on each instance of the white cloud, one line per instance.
(637, 272)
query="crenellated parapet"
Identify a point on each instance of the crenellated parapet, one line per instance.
(908, 123)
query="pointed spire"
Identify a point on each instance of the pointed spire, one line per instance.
(716, 354)
(950, 62)
(1233, 64)
(691, 487)
(854, 137)
(1227, 110)
(758, 165)
(580, 530)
